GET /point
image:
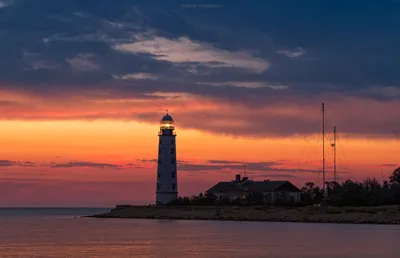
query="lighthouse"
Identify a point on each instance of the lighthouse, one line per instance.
(167, 177)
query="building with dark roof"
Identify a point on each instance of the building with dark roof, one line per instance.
(273, 191)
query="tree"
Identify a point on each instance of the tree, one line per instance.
(372, 192)
(334, 193)
(210, 198)
(395, 176)
(309, 186)
(307, 193)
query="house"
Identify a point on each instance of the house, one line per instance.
(273, 191)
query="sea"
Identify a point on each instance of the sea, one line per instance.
(62, 232)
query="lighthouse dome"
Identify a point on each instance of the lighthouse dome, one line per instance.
(167, 118)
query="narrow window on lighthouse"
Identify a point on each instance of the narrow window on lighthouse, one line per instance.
(158, 186)
(173, 174)
(172, 141)
(174, 186)
(173, 161)
(159, 161)
(158, 175)
(172, 150)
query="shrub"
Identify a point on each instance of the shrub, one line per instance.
(334, 210)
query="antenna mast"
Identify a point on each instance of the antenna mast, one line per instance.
(323, 146)
(334, 155)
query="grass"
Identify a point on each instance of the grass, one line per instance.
(334, 210)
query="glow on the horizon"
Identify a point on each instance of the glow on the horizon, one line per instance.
(114, 140)
(122, 143)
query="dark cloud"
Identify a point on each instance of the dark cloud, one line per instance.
(241, 166)
(56, 34)
(218, 165)
(254, 169)
(389, 165)
(147, 160)
(210, 165)
(6, 163)
(87, 164)
(268, 169)
(9, 163)
(155, 161)
(70, 49)
(27, 164)
(267, 175)
(71, 164)
(213, 161)
(352, 117)
(289, 119)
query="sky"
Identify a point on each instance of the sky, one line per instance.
(84, 84)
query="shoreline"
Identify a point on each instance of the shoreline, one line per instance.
(383, 215)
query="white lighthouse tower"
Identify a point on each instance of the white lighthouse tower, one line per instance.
(167, 178)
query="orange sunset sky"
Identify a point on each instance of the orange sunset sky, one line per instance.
(81, 99)
(103, 161)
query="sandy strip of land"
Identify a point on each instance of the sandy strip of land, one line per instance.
(353, 215)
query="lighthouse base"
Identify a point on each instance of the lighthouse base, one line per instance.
(163, 198)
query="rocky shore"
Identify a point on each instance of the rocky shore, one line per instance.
(353, 215)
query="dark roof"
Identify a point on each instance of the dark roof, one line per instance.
(253, 186)
(167, 117)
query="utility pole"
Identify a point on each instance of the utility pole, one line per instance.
(323, 146)
(334, 155)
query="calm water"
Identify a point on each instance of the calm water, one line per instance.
(56, 233)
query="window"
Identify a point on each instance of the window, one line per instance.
(172, 141)
(158, 186)
(172, 150)
(159, 150)
(174, 186)
(173, 174)
(160, 141)
(173, 161)
(159, 161)
(158, 174)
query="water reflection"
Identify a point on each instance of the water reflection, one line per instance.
(68, 237)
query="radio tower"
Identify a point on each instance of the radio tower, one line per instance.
(334, 155)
